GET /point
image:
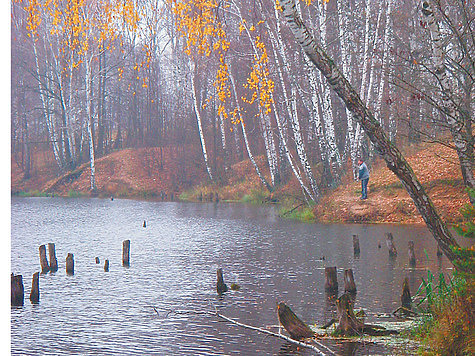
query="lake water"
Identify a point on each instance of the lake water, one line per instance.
(173, 266)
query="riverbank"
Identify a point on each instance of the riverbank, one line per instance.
(152, 173)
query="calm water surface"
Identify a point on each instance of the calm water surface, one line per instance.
(173, 266)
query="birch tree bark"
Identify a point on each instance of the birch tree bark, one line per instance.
(196, 107)
(393, 157)
(460, 127)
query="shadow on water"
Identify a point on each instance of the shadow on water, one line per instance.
(173, 265)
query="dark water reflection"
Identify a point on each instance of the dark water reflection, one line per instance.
(173, 266)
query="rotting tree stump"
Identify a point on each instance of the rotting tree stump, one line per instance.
(126, 253)
(17, 290)
(348, 323)
(35, 288)
(356, 245)
(296, 328)
(70, 264)
(411, 254)
(350, 285)
(53, 262)
(406, 295)
(221, 287)
(43, 260)
(390, 243)
(331, 282)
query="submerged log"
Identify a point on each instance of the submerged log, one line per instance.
(17, 290)
(350, 285)
(106, 266)
(331, 282)
(412, 255)
(390, 244)
(296, 328)
(53, 262)
(43, 260)
(221, 287)
(35, 288)
(126, 253)
(356, 245)
(70, 264)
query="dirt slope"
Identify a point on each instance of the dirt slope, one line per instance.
(437, 169)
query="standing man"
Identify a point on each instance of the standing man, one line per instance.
(363, 175)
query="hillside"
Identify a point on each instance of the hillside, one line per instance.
(146, 173)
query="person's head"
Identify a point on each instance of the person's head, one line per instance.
(360, 161)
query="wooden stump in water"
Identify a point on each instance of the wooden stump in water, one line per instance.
(53, 262)
(348, 324)
(296, 328)
(70, 264)
(331, 282)
(406, 295)
(35, 288)
(221, 287)
(17, 290)
(350, 285)
(43, 260)
(356, 245)
(97, 260)
(412, 255)
(390, 244)
(106, 266)
(126, 253)
(144, 224)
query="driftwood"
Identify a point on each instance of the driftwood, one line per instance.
(43, 260)
(126, 253)
(70, 264)
(311, 344)
(35, 288)
(411, 253)
(331, 282)
(17, 290)
(350, 285)
(390, 244)
(356, 245)
(296, 328)
(221, 287)
(53, 262)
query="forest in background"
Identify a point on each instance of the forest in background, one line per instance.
(227, 80)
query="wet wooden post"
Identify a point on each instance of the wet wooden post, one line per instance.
(412, 255)
(390, 244)
(43, 260)
(17, 290)
(356, 245)
(70, 264)
(106, 266)
(350, 285)
(97, 260)
(35, 288)
(126, 253)
(144, 224)
(406, 295)
(331, 282)
(53, 262)
(221, 287)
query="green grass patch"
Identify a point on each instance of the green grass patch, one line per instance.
(300, 213)
(32, 193)
(74, 194)
(255, 196)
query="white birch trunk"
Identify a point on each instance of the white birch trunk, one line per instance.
(89, 123)
(198, 119)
